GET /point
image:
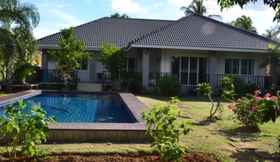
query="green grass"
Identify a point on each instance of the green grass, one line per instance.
(226, 137)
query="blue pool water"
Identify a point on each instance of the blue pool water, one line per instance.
(83, 108)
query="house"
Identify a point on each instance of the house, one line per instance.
(194, 48)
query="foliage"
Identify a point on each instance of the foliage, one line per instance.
(168, 85)
(227, 94)
(16, 49)
(114, 60)
(165, 129)
(132, 82)
(24, 71)
(70, 54)
(275, 4)
(117, 15)
(228, 88)
(197, 7)
(245, 23)
(242, 88)
(252, 110)
(24, 128)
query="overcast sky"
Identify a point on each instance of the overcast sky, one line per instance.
(59, 14)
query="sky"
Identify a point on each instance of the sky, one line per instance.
(59, 14)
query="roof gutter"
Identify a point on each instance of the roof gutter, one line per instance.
(51, 46)
(203, 49)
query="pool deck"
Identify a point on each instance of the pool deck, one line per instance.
(93, 132)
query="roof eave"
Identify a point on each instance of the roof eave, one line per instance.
(203, 48)
(52, 46)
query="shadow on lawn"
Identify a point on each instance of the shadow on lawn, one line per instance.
(244, 133)
(252, 155)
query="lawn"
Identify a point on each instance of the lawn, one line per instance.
(226, 137)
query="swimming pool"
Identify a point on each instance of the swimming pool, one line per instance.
(83, 108)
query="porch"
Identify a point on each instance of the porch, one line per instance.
(194, 67)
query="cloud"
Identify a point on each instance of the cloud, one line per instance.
(65, 18)
(128, 7)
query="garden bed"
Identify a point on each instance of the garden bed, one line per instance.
(190, 157)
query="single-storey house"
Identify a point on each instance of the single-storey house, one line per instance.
(194, 48)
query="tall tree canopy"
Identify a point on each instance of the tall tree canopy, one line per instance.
(16, 23)
(273, 33)
(198, 7)
(275, 4)
(70, 54)
(245, 23)
(117, 15)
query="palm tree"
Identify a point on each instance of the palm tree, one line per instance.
(22, 14)
(16, 23)
(245, 23)
(197, 7)
(273, 33)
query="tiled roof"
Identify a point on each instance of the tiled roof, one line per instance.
(118, 31)
(198, 32)
(191, 32)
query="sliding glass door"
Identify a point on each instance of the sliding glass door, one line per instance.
(190, 70)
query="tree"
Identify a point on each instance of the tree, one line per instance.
(197, 7)
(70, 54)
(273, 33)
(17, 21)
(245, 23)
(117, 15)
(275, 4)
(114, 60)
(21, 14)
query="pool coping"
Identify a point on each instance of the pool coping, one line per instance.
(134, 105)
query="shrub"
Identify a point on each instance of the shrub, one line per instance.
(168, 86)
(242, 88)
(252, 110)
(24, 128)
(132, 82)
(227, 94)
(165, 129)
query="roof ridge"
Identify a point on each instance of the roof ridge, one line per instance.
(75, 27)
(157, 30)
(140, 19)
(235, 28)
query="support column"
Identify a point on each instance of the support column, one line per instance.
(44, 65)
(212, 70)
(165, 64)
(145, 68)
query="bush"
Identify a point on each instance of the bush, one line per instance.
(132, 82)
(252, 110)
(168, 86)
(165, 129)
(24, 128)
(242, 88)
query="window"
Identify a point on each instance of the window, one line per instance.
(190, 70)
(247, 66)
(239, 66)
(232, 66)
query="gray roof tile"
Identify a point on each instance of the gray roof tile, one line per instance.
(196, 31)
(109, 30)
(191, 32)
